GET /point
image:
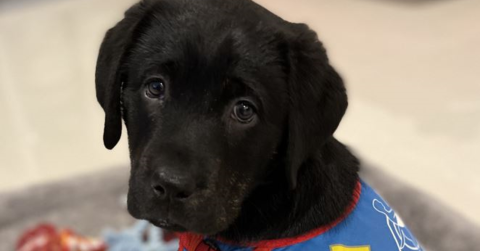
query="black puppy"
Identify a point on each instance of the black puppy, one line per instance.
(230, 112)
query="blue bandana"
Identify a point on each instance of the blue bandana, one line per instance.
(370, 224)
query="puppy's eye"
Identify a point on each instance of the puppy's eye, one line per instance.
(244, 112)
(155, 89)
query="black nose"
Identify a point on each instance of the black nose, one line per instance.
(173, 186)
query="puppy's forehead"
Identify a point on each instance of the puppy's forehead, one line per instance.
(202, 43)
(202, 49)
(208, 31)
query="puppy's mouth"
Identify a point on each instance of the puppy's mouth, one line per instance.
(167, 225)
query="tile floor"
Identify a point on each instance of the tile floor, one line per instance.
(413, 73)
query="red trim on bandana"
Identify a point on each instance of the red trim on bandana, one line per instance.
(189, 241)
(192, 242)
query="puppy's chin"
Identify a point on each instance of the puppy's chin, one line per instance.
(204, 228)
(206, 222)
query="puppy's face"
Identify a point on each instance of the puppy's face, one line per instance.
(207, 92)
(204, 120)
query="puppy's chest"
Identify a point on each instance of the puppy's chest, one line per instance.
(370, 225)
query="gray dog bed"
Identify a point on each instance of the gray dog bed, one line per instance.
(92, 203)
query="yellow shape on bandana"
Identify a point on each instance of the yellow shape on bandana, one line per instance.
(345, 248)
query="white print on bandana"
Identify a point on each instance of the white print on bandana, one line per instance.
(404, 239)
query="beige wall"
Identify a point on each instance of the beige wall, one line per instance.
(413, 73)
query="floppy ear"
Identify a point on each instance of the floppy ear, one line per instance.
(108, 76)
(318, 99)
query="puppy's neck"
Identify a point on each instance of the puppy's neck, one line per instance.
(326, 184)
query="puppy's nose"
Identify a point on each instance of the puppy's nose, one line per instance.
(173, 186)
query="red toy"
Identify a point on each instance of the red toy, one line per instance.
(45, 237)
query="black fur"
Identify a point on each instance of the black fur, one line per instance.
(280, 175)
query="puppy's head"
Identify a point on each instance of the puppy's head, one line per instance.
(215, 94)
